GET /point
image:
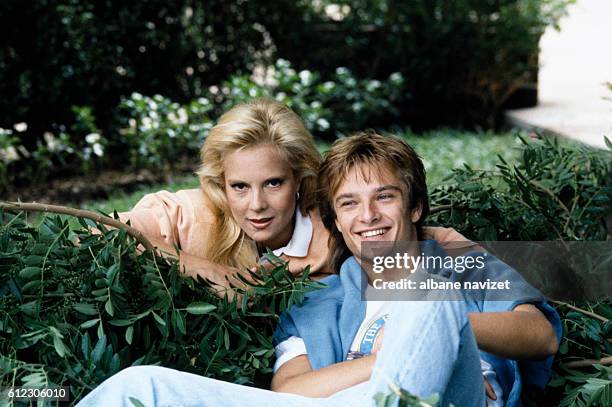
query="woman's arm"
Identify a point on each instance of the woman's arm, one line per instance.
(296, 376)
(181, 219)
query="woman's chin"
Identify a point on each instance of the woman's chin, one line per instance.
(261, 237)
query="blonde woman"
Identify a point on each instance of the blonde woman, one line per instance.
(257, 192)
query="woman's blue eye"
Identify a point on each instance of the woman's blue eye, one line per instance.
(276, 182)
(239, 186)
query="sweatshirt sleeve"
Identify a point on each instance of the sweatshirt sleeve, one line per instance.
(171, 218)
(533, 372)
(285, 329)
(453, 242)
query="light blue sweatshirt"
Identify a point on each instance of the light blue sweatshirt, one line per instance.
(329, 318)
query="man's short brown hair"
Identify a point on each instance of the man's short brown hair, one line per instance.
(361, 150)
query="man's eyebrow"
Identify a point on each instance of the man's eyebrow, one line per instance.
(388, 187)
(344, 196)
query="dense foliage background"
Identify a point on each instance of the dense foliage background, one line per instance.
(462, 59)
(68, 69)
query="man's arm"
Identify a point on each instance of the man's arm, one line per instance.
(523, 333)
(296, 376)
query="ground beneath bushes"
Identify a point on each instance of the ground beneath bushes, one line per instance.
(82, 188)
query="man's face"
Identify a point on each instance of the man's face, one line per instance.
(371, 206)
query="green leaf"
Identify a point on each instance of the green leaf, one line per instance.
(120, 322)
(179, 321)
(200, 308)
(99, 292)
(86, 308)
(226, 338)
(55, 332)
(89, 324)
(34, 261)
(129, 334)
(29, 308)
(85, 345)
(59, 346)
(563, 348)
(108, 306)
(98, 350)
(115, 364)
(159, 319)
(100, 330)
(29, 272)
(136, 403)
(34, 380)
(31, 286)
(111, 272)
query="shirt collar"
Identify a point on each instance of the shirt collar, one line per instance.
(300, 240)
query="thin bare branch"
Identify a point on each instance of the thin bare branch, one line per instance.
(583, 311)
(440, 208)
(79, 213)
(589, 362)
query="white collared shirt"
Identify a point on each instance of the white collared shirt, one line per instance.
(300, 239)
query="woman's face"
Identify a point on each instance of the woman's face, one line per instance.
(261, 192)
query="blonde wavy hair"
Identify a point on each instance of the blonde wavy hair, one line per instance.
(258, 122)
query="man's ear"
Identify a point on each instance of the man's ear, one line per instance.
(415, 214)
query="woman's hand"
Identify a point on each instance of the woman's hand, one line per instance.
(223, 279)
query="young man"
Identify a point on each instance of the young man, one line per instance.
(373, 189)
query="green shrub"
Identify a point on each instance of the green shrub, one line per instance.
(75, 314)
(8, 155)
(78, 53)
(463, 58)
(554, 192)
(339, 105)
(586, 337)
(160, 133)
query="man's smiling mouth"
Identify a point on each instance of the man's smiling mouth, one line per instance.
(375, 232)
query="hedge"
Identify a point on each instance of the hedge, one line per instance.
(461, 59)
(157, 132)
